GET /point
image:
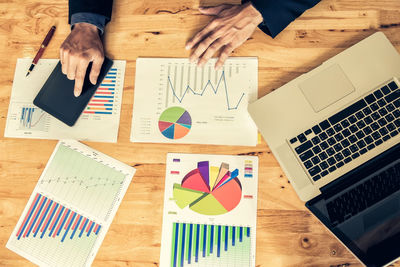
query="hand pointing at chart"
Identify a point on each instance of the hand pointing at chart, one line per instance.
(82, 46)
(231, 26)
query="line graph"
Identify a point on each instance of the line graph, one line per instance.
(208, 84)
(216, 101)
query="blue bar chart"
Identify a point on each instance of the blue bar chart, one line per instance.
(210, 245)
(32, 118)
(51, 231)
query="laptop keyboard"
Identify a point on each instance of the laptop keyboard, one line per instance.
(353, 131)
(364, 195)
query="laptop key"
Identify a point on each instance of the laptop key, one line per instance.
(293, 140)
(330, 132)
(302, 138)
(331, 161)
(363, 151)
(306, 155)
(361, 144)
(352, 119)
(353, 148)
(389, 117)
(303, 147)
(360, 115)
(315, 140)
(308, 132)
(347, 160)
(316, 178)
(368, 140)
(324, 173)
(371, 146)
(385, 90)
(324, 165)
(314, 170)
(316, 129)
(378, 94)
(308, 164)
(324, 145)
(394, 133)
(332, 169)
(370, 98)
(367, 111)
(393, 86)
(374, 126)
(360, 124)
(355, 155)
(397, 122)
(376, 135)
(339, 156)
(324, 125)
(323, 136)
(352, 139)
(345, 123)
(323, 156)
(367, 130)
(331, 141)
(396, 113)
(368, 120)
(345, 143)
(316, 149)
(397, 103)
(390, 107)
(330, 151)
(338, 147)
(375, 115)
(346, 152)
(374, 106)
(383, 131)
(393, 96)
(382, 122)
(386, 137)
(346, 132)
(315, 160)
(378, 142)
(340, 164)
(383, 111)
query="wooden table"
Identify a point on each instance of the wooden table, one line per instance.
(287, 234)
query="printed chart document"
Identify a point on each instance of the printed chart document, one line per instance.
(71, 207)
(178, 102)
(98, 122)
(210, 211)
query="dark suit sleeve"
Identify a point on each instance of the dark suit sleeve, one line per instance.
(278, 14)
(101, 7)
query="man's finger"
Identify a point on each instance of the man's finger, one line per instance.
(205, 44)
(224, 55)
(212, 50)
(212, 10)
(62, 56)
(80, 77)
(203, 33)
(96, 67)
(72, 65)
(64, 65)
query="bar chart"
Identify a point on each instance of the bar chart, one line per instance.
(210, 245)
(71, 208)
(83, 182)
(33, 118)
(55, 234)
(104, 99)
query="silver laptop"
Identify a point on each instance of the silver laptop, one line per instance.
(335, 132)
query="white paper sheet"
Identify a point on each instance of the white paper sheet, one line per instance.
(209, 221)
(177, 102)
(99, 121)
(71, 207)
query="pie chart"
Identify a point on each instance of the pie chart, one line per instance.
(175, 123)
(209, 190)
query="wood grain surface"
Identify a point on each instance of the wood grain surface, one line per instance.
(287, 234)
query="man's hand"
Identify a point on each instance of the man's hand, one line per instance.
(82, 46)
(231, 27)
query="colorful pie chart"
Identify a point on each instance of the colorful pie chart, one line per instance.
(175, 123)
(209, 190)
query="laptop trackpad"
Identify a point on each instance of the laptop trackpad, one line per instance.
(326, 87)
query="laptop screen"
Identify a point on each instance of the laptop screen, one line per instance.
(363, 209)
